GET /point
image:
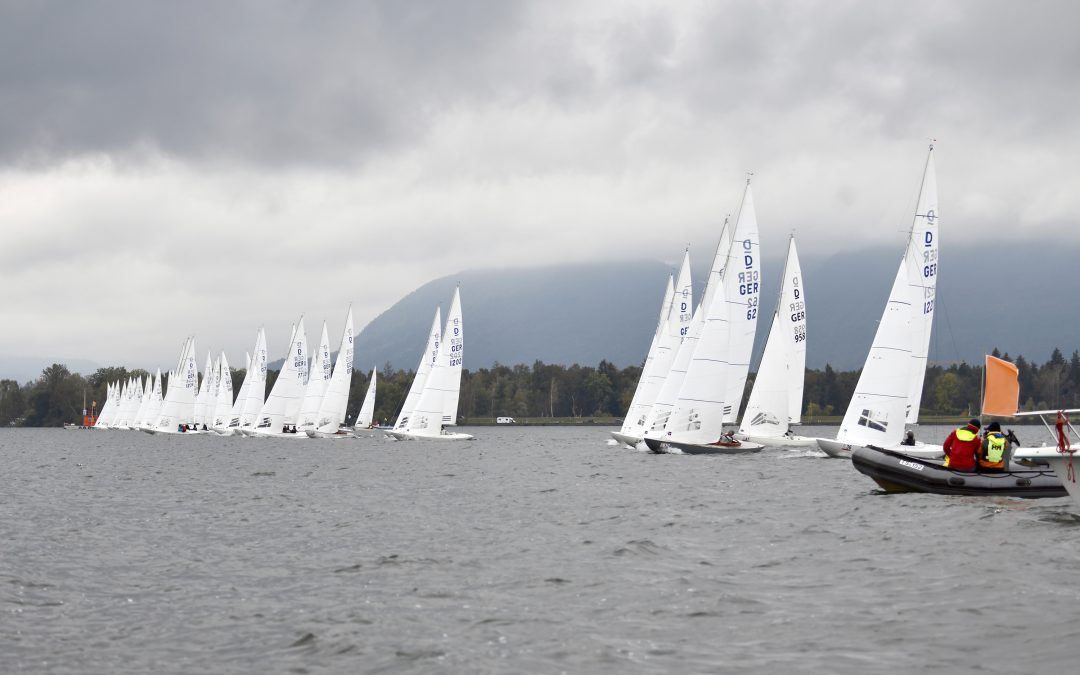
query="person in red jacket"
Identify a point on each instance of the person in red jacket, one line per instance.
(961, 445)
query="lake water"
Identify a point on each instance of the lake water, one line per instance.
(527, 550)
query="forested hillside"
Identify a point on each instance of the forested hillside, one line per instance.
(554, 391)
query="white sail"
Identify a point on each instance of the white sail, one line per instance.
(677, 326)
(127, 407)
(178, 408)
(212, 395)
(444, 380)
(742, 289)
(453, 339)
(153, 406)
(336, 400)
(634, 422)
(144, 399)
(102, 421)
(697, 416)
(256, 391)
(776, 400)
(921, 258)
(427, 360)
(669, 394)
(367, 409)
(224, 401)
(318, 379)
(203, 391)
(237, 411)
(875, 415)
(283, 403)
(108, 417)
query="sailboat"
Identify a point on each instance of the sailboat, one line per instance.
(236, 412)
(224, 400)
(365, 418)
(699, 396)
(436, 408)
(675, 324)
(102, 420)
(889, 392)
(633, 425)
(776, 399)
(277, 417)
(318, 378)
(331, 415)
(203, 392)
(144, 400)
(178, 407)
(256, 391)
(153, 404)
(427, 361)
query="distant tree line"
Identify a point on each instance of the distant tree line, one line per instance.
(554, 391)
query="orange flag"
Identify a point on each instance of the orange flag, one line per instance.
(1002, 394)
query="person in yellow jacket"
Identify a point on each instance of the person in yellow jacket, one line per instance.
(994, 451)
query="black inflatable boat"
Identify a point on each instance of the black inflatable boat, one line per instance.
(896, 472)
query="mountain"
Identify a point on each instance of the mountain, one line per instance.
(565, 314)
(585, 313)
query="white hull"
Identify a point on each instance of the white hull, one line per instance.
(840, 449)
(711, 449)
(780, 441)
(266, 434)
(631, 441)
(225, 432)
(444, 436)
(1058, 462)
(171, 432)
(311, 433)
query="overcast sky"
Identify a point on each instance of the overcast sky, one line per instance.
(169, 168)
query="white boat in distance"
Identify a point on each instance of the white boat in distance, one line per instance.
(278, 415)
(335, 400)
(436, 408)
(365, 418)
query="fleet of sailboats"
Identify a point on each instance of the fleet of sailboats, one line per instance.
(688, 397)
(308, 399)
(694, 375)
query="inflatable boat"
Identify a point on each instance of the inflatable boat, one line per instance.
(896, 472)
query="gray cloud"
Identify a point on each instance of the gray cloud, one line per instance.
(209, 167)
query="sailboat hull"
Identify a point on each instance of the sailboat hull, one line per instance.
(780, 441)
(1058, 463)
(625, 439)
(735, 447)
(897, 472)
(841, 450)
(340, 433)
(445, 436)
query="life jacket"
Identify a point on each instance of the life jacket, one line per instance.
(965, 447)
(994, 453)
